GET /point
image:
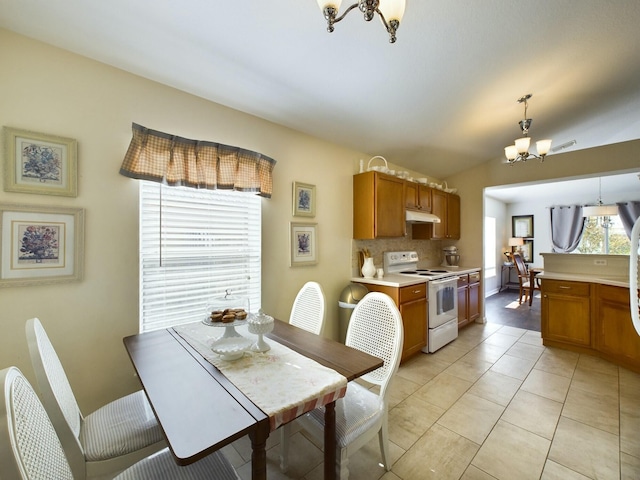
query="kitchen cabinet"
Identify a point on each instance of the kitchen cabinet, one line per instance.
(566, 312)
(468, 298)
(378, 206)
(417, 197)
(615, 337)
(412, 303)
(446, 206)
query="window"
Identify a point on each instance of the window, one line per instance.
(195, 245)
(600, 236)
(490, 247)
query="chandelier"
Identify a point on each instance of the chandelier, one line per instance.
(520, 151)
(390, 11)
(600, 210)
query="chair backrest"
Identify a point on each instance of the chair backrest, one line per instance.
(308, 311)
(376, 328)
(29, 445)
(57, 395)
(521, 267)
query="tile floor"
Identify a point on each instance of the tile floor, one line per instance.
(494, 404)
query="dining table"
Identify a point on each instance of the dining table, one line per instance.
(199, 407)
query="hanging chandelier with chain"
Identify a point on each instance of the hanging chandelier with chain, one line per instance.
(390, 12)
(519, 152)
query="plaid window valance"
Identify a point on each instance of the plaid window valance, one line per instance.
(177, 161)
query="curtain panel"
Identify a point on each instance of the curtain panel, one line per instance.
(177, 161)
(629, 213)
(567, 226)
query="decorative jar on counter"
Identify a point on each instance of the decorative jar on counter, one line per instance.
(368, 268)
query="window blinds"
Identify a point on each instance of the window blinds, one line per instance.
(199, 245)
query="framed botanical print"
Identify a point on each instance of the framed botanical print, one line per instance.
(40, 245)
(304, 244)
(40, 163)
(304, 200)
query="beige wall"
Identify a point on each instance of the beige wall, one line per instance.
(48, 90)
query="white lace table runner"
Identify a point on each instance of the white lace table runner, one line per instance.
(281, 382)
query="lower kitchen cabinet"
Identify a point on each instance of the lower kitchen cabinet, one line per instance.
(468, 298)
(615, 335)
(590, 318)
(566, 313)
(412, 303)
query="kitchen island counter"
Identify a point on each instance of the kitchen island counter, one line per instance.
(613, 280)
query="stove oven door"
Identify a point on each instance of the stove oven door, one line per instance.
(443, 301)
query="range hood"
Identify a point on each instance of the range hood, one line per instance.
(421, 217)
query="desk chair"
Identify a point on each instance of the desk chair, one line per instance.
(524, 278)
(104, 442)
(30, 448)
(308, 313)
(375, 328)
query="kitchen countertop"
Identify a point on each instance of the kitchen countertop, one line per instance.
(613, 280)
(394, 280)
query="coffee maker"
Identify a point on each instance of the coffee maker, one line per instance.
(451, 257)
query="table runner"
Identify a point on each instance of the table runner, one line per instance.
(282, 383)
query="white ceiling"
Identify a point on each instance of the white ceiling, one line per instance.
(438, 101)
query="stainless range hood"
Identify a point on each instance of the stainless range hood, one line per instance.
(421, 217)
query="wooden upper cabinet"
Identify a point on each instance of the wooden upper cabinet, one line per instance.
(417, 197)
(445, 206)
(378, 206)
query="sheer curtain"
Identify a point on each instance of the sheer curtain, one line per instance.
(629, 213)
(177, 161)
(567, 226)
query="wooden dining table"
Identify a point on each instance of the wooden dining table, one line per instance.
(200, 410)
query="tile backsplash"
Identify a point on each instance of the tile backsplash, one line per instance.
(429, 251)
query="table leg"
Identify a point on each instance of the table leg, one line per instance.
(258, 451)
(330, 441)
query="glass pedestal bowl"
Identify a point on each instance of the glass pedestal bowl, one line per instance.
(260, 325)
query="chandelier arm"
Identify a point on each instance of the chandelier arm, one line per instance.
(337, 19)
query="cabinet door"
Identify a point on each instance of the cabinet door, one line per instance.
(453, 216)
(389, 207)
(439, 208)
(616, 335)
(474, 302)
(463, 304)
(411, 199)
(414, 319)
(566, 319)
(424, 198)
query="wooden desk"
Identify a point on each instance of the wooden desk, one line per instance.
(200, 411)
(508, 284)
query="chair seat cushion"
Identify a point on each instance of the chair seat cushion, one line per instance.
(162, 466)
(356, 413)
(120, 427)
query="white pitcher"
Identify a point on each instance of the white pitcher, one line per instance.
(368, 268)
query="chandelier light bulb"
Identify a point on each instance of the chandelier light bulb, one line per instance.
(329, 3)
(543, 146)
(392, 9)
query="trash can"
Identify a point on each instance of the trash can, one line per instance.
(349, 298)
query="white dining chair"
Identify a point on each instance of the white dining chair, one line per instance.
(30, 448)
(375, 328)
(104, 442)
(308, 310)
(308, 313)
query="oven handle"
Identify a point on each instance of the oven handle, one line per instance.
(443, 280)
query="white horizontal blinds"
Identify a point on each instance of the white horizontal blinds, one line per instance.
(195, 245)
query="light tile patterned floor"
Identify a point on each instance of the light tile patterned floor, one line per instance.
(494, 404)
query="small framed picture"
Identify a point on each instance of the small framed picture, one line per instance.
(40, 163)
(304, 244)
(304, 200)
(527, 251)
(522, 226)
(40, 245)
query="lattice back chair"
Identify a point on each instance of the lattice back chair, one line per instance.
(104, 442)
(375, 328)
(523, 277)
(30, 447)
(308, 311)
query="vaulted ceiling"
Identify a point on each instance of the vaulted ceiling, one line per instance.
(439, 100)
